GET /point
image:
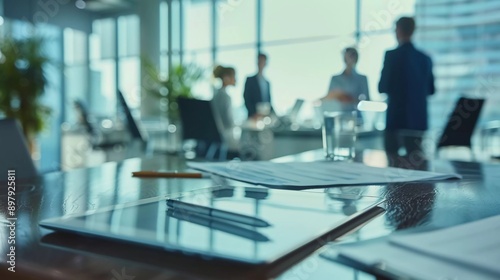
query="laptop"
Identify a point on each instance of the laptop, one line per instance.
(14, 153)
(296, 219)
(292, 116)
(294, 113)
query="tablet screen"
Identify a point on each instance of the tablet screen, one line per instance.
(294, 218)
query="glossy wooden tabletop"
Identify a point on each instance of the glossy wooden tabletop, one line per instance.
(42, 254)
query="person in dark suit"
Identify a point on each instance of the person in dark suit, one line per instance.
(407, 79)
(257, 88)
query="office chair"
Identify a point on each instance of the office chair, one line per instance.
(461, 124)
(14, 153)
(134, 126)
(199, 123)
(95, 136)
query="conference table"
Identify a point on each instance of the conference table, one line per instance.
(44, 254)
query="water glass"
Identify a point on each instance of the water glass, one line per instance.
(339, 135)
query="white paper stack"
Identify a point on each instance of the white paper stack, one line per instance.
(315, 174)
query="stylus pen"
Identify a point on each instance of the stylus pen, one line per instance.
(156, 174)
(218, 224)
(221, 214)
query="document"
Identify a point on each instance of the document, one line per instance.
(475, 244)
(468, 251)
(315, 174)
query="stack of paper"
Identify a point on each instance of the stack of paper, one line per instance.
(469, 251)
(315, 174)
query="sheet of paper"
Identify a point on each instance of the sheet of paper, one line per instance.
(314, 174)
(405, 263)
(468, 251)
(475, 244)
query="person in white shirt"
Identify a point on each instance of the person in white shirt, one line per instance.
(222, 105)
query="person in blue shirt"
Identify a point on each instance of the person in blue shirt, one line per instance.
(349, 87)
(408, 80)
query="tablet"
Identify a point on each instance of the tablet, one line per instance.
(295, 219)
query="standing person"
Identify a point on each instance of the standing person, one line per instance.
(222, 105)
(348, 87)
(257, 88)
(407, 79)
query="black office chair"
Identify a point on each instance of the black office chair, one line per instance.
(14, 153)
(461, 124)
(134, 126)
(96, 139)
(199, 123)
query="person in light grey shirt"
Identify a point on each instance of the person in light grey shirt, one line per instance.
(349, 87)
(222, 105)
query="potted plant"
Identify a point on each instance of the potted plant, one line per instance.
(178, 83)
(22, 84)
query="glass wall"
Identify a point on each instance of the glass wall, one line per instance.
(103, 68)
(198, 41)
(47, 151)
(129, 61)
(464, 40)
(236, 46)
(303, 40)
(76, 71)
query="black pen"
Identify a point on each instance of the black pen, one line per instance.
(221, 214)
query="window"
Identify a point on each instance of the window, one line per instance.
(129, 63)
(203, 59)
(463, 41)
(303, 41)
(303, 70)
(197, 25)
(372, 50)
(103, 68)
(380, 15)
(284, 19)
(75, 71)
(236, 22)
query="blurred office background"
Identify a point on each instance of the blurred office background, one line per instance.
(96, 47)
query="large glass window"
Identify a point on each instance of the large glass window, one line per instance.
(128, 60)
(103, 89)
(203, 59)
(372, 50)
(304, 41)
(463, 41)
(303, 70)
(381, 14)
(284, 19)
(197, 25)
(75, 71)
(50, 139)
(103, 68)
(129, 80)
(128, 36)
(198, 43)
(236, 22)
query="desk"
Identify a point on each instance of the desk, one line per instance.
(41, 255)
